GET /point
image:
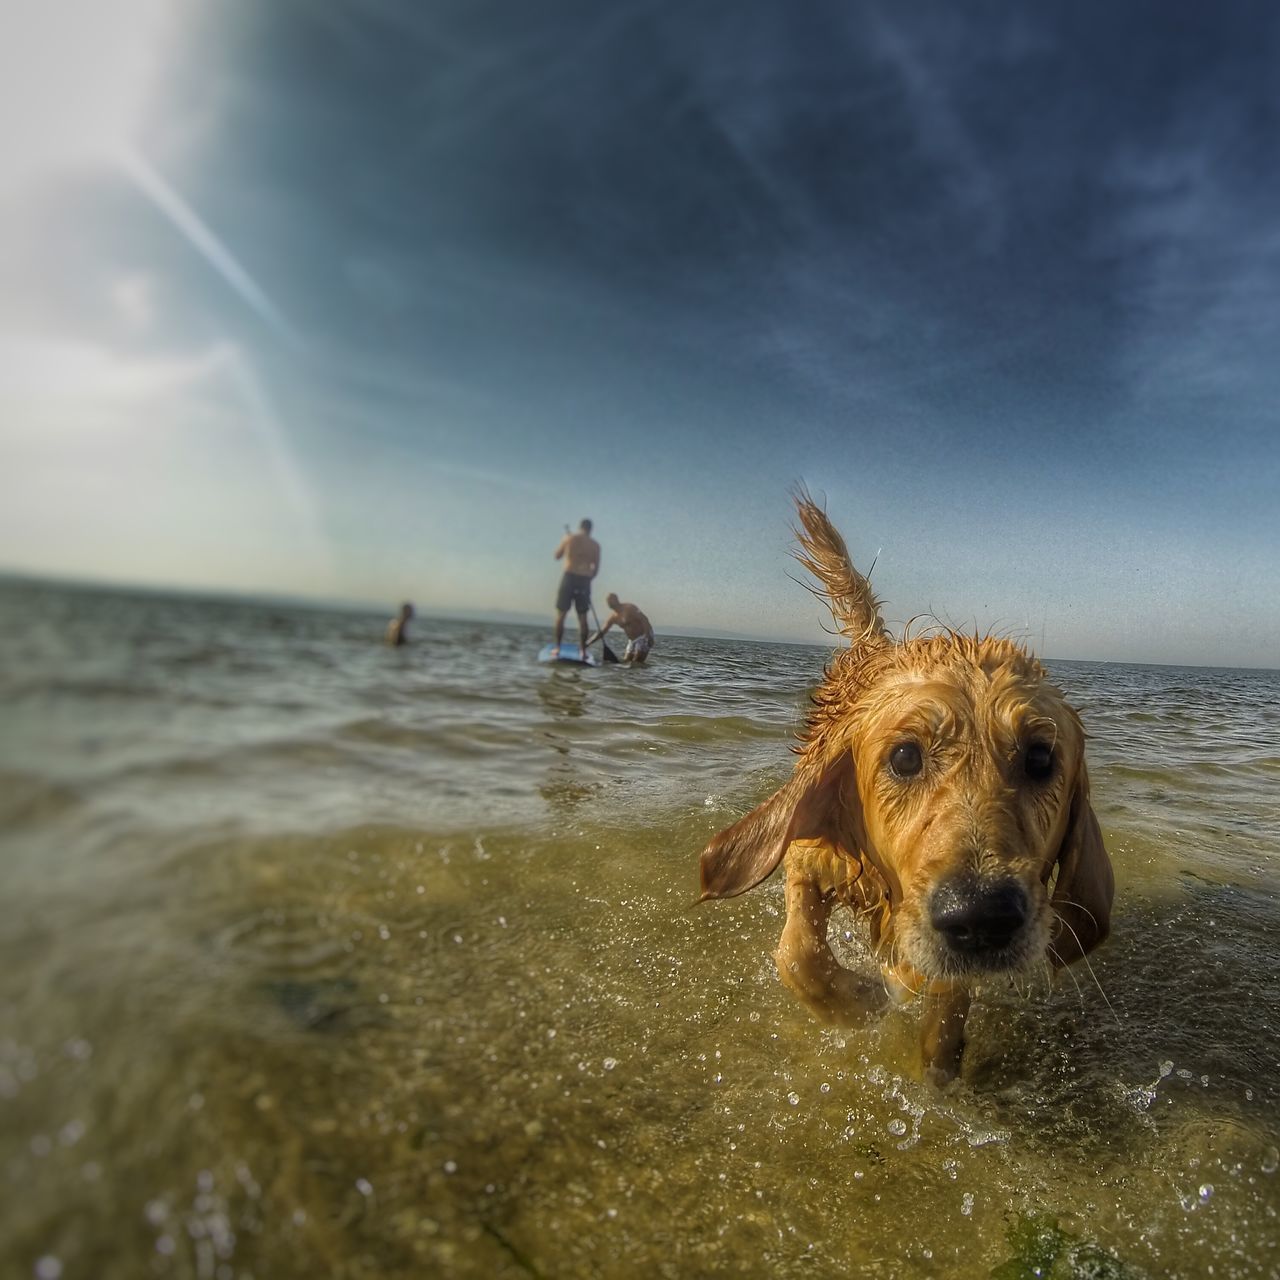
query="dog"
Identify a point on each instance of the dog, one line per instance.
(941, 793)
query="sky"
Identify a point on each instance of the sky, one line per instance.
(364, 301)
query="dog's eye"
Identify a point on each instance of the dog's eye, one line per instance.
(905, 759)
(1039, 761)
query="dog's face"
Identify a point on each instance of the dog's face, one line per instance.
(954, 771)
(966, 763)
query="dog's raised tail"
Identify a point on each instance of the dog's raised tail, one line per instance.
(823, 553)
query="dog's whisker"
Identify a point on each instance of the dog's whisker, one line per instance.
(1091, 973)
(1074, 980)
(1079, 906)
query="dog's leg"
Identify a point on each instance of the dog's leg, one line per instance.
(805, 963)
(942, 1031)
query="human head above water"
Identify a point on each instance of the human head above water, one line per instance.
(406, 610)
(612, 600)
(585, 526)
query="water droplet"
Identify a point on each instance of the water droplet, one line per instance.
(49, 1267)
(1166, 1068)
(364, 1186)
(450, 1166)
(824, 1087)
(609, 1063)
(71, 1133)
(897, 1127)
(1270, 1160)
(1206, 1190)
(966, 1203)
(794, 1099)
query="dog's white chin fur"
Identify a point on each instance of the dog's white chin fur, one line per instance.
(923, 948)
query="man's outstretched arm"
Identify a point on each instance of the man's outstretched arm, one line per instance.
(608, 622)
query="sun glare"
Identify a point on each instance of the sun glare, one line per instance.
(75, 77)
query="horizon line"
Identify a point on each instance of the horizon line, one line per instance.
(447, 614)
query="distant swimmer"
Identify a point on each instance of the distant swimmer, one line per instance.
(397, 628)
(581, 554)
(634, 625)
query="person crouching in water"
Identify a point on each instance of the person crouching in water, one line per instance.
(398, 627)
(634, 625)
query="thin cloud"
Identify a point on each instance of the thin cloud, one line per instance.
(202, 239)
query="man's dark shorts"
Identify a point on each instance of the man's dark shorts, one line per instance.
(576, 590)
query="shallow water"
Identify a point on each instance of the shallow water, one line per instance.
(318, 958)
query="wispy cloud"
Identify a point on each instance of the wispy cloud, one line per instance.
(40, 372)
(190, 225)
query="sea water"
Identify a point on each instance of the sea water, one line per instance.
(319, 958)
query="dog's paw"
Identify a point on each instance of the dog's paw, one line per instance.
(830, 992)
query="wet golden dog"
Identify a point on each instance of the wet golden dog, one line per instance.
(941, 793)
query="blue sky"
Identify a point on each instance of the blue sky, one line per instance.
(364, 301)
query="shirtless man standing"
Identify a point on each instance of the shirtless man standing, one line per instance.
(581, 554)
(636, 626)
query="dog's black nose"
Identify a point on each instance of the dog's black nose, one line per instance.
(975, 917)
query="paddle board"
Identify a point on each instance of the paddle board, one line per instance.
(572, 654)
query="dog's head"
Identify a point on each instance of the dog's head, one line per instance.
(954, 769)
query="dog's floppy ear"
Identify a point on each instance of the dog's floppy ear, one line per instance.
(1085, 886)
(814, 804)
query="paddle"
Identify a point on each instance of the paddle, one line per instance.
(609, 655)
